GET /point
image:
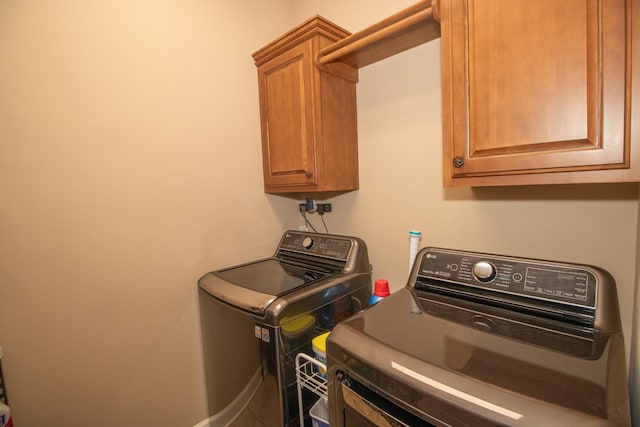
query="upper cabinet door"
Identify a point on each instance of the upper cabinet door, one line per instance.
(288, 137)
(534, 89)
(308, 114)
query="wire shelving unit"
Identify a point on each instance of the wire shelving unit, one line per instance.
(310, 375)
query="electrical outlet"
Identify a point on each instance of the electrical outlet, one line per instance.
(323, 208)
(311, 205)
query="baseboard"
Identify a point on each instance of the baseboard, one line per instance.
(233, 409)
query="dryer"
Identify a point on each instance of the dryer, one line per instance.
(480, 339)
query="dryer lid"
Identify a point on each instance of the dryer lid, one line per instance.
(396, 340)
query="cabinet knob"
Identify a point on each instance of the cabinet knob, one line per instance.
(308, 174)
(458, 161)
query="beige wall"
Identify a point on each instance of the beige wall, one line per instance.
(399, 128)
(634, 365)
(130, 166)
(399, 136)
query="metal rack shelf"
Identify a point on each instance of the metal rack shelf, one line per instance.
(308, 376)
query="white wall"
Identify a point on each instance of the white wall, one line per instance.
(129, 166)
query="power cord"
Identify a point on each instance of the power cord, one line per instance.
(304, 215)
(321, 213)
(311, 206)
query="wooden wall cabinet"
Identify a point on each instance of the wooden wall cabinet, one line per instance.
(537, 92)
(308, 114)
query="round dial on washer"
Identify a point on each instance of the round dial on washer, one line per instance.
(484, 271)
(307, 242)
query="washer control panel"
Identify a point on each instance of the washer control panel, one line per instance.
(317, 244)
(548, 280)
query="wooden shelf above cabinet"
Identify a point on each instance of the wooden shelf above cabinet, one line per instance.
(411, 27)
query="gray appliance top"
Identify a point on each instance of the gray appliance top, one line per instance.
(560, 306)
(510, 350)
(302, 259)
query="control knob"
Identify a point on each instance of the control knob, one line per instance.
(484, 271)
(307, 242)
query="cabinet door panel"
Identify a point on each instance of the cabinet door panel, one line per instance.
(511, 75)
(289, 142)
(534, 86)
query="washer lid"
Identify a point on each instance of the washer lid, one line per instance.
(254, 286)
(440, 357)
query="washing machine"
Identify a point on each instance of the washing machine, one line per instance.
(257, 316)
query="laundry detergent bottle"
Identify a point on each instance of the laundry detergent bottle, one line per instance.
(380, 291)
(5, 416)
